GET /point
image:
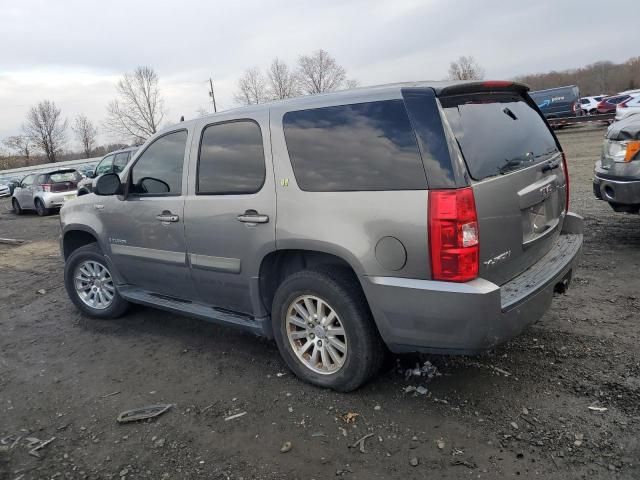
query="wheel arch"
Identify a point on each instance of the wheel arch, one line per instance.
(277, 265)
(76, 237)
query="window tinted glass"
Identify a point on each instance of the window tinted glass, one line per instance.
(159, 169)
(40, 179)
(120, 161)
(365, 146)
(28, 180)
(498, 133)
(231, 159)
(105, 165)
(64, 177)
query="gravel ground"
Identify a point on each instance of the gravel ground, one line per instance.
(521, 410)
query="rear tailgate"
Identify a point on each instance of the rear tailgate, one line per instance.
(517, 175)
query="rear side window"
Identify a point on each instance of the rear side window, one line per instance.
(498, 133)
(364, 146)
(231, 159)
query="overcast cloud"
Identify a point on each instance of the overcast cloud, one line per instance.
(73, 51)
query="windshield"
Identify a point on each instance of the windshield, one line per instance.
(498, 133)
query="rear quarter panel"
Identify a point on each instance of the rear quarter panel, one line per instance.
(348, 224)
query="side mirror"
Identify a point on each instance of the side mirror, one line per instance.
(108, 184)
(91, 174)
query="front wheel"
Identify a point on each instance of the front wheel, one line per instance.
(16, 206)
(90, 285)
(324, 329)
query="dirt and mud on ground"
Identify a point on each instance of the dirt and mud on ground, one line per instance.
(561, 401)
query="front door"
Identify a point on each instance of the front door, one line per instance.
(230, 213)
(24, 194)
(145, 230)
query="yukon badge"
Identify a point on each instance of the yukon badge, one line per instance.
(498, 258)
(547, 190)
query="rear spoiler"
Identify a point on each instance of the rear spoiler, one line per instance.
(483, 86)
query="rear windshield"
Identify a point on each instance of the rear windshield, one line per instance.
(498, 133)
(63, 177)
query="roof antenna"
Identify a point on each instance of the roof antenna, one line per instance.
(182, 118)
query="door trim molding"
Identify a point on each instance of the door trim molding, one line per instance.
(166, 256)
(218, 264)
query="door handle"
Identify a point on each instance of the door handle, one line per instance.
(252, 216)
(167, 217)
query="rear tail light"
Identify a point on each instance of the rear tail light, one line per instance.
(46, 187)
(453, 235)
(575, 107)
(566, 182)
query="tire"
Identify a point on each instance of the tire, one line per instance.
(340, 291)
(16, 206)
(41, 210)
(91, 253)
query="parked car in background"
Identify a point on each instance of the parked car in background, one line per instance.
(113, 162)
(589, 105)
(44, 192)
(11, 183)
(617, 173)
(609, 104)
(4, 190)
(558, 102)
(629, 107)
(425, 216)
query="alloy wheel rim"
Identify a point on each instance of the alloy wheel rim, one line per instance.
(94, 285)
(316, 334)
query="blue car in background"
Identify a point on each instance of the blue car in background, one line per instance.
(558, 102)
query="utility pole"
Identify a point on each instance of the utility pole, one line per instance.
(212, 95)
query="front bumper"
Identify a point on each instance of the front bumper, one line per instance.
(57, 199)
(617, 191)
(467, 318)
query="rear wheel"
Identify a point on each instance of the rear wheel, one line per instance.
(16, 206)
(324, 329)
(90, 285)
(41, 209)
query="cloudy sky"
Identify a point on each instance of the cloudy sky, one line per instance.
(73, 51)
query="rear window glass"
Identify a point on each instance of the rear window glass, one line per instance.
(498, 133)
(364, 146)
(63, 177)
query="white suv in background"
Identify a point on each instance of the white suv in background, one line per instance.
(628, 107)
(590, 104)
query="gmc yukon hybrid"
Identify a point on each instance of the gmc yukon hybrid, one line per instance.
(427, 217)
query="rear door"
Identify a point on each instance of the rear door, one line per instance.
(518, 178)
(230, 213)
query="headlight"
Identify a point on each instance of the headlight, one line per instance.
(625, 151)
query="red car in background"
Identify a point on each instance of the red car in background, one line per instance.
(608, 104)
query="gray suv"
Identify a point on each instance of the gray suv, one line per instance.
(427, 217)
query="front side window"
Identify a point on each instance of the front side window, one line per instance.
(158, 171)
(105, 165)
(27, 181)
(231, 159)
(120, 161)
(364, 146)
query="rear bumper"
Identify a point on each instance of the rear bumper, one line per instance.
(56, 199)
(617, 191)
(467, 318)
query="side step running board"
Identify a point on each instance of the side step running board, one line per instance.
(259, 326)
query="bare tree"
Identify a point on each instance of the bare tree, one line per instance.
(466, 68)
(252, 88)
(138, 109)
(86, 133)
(283, 83)
(319, 72)
(20, 144)
(46, 129)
